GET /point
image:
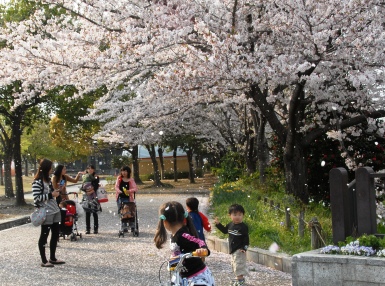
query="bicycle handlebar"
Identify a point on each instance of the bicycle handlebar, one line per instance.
(204, 253)
(175, 264)
(175, 261)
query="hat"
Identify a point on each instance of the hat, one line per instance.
(87, 185)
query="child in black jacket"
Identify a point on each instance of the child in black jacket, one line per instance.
(238, 241)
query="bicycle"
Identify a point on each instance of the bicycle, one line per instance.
(174, 266)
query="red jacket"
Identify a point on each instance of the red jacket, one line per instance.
(205, 222)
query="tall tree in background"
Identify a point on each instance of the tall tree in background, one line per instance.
(16, 119)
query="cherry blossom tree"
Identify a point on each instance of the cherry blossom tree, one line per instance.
(300, 66)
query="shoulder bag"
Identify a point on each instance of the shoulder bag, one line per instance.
(38, 216)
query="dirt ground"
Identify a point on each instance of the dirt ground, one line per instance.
(8, 209)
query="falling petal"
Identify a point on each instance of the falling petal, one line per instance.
(273, 247)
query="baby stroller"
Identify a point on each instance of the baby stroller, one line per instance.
(69, 218)
(128, 217)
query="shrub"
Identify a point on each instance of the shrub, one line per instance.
(111, 180)
(231, 168)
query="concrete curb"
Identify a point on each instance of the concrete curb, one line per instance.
(14, 222)
(277, 261)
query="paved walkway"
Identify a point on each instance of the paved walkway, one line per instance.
(106, 259)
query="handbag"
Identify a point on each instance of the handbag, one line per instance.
(79, 209)
(102, 195)
(38, 216)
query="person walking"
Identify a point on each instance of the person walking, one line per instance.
(44, 195)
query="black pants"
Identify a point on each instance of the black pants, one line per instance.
(54, 228)
(88, 221)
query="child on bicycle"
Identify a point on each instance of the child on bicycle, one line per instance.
(184, 239)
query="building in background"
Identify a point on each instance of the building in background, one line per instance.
(145, 163)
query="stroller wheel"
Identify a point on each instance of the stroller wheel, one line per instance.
(136, 233)
(121, 233)
(80, 235)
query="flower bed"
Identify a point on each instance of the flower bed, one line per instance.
(366, 245)
(354, 262)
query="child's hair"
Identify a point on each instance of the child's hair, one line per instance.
(236, 208)
(174, 213)
(63, 204)
(192, 204)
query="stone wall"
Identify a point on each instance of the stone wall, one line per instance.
(312, 268)
(278, 261)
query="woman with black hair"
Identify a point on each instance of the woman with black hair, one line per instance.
(44, 195)
(60, 179)
(89, 187)
(125, 186)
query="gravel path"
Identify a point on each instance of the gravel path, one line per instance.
(106, 259)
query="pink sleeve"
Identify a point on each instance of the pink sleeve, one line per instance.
(117, 190)
(133, 186)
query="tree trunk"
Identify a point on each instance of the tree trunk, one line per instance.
(135, 165)
(160, 153)
(174, 158)
(190, 166)
(35, 166)
(1, 171)
(295, 163)
(16, 143)
(151, 151)
(200, 162)
(262, 148)
(250, 153)
(8, 185)
(25, 159)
